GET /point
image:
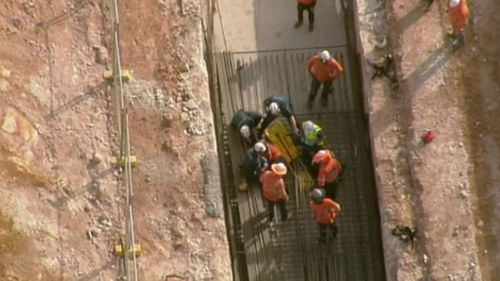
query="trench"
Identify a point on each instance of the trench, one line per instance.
(243, 80)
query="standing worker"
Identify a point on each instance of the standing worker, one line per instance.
(274, 106)
(323, 69)
(329, 171)
(325, 211)
(307, 5)
(274, 191)
(246, 123)
(459, 16)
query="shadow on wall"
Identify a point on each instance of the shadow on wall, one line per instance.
(429, 67)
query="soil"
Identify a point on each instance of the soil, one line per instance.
(62, 202)
(481, 75)
(444, 188)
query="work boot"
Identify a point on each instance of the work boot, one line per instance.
(298, 24)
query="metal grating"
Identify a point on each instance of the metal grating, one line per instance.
(245, 80)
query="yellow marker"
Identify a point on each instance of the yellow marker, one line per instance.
(126, 75)
(121, 163)
(136, 250)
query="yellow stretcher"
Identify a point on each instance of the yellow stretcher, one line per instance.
(280, 135)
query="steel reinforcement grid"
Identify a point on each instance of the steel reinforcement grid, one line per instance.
(289, 252)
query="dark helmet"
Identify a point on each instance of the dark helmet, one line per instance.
(317, 195)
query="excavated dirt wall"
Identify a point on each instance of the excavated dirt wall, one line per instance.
(425, 186)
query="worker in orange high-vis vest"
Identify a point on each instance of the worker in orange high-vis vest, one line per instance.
(329, 171)
(323, 70)
(307, 5)
(274, 190)
(325, 211)
(459, 16)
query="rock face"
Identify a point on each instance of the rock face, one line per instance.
(420, 185)
(61, 200)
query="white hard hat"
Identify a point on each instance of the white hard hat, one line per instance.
(245, 131)
(325, 55)
(320, 156)
(274, 108)
(308, 126)
(279, 169)
(259, 147)
(454, 3)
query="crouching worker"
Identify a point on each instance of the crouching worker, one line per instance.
(325, 212)
(246, 123)
(329, 171)
(274, 190)
(251, 167)
(275, 107)
(268, 154)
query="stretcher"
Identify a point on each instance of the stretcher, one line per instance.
(279, 135)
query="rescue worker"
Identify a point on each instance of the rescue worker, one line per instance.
(274, 191)
(323, 70)
(329, 171)
(274, 106)
(268, 154)
(459, 16)
(307, 5)
(311, 142)
(251, 166)
(325, 212)
(246, 123)
(312, 134)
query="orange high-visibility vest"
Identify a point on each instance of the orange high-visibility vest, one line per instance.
(459, 16)
(324, 71)
(273, 186)
(329, 170)
(306, 2)
(326, 212)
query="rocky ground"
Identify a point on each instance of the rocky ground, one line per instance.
(439, 188)
(61, 201)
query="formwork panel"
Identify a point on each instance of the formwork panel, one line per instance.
(290, 252)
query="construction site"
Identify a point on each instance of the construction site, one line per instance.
(119, 162)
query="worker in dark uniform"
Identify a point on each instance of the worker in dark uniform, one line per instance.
(246, 123)
(274, 107)
(252, 165)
